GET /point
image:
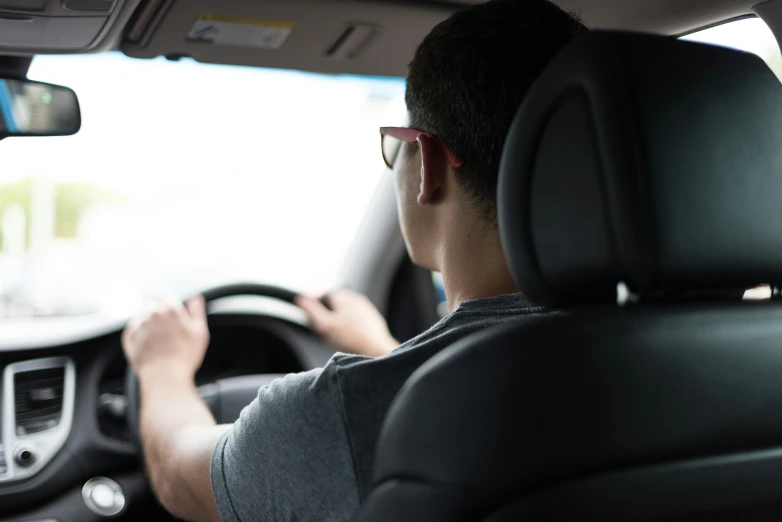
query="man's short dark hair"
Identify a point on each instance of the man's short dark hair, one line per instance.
(470, 74)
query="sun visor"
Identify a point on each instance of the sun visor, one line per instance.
(41, 26)
(349, 37)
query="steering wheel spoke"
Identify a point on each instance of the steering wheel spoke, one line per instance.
(226, 398)
(210, 393)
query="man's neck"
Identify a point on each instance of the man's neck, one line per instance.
(473, 265)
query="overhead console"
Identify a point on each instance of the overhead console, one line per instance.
(41, 26)
(329, 36)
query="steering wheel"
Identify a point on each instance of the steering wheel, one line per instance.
(225, 397)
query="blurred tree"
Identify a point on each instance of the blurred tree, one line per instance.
(71, 200)
(16, 193)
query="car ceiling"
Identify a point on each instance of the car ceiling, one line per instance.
(668, 17)
(371, 37)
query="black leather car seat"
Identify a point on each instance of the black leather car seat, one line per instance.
(653, 166)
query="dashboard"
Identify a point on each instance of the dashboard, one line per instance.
(66, 454)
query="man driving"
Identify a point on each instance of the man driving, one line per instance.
(304, 448)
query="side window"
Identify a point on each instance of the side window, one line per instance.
(439, 290)
(748, 34)
(412, 301)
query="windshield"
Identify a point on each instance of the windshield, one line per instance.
(186, 175)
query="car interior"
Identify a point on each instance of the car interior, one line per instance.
(638, 196)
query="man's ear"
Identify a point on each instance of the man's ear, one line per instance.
(433, 171)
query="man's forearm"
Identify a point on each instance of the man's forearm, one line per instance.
(179, 434)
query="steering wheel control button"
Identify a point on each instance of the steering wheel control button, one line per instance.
(103, 496)
(24, 456)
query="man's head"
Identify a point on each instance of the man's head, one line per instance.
(465, 83)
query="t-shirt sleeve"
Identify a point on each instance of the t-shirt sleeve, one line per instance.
(288, 455)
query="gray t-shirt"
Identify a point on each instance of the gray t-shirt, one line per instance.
(304, 449)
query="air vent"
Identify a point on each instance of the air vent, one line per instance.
(352, 41)
(95, 6)
(38, 400)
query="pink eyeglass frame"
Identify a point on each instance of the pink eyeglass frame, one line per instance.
(409, 135)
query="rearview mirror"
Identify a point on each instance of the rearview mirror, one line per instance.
(30, 108)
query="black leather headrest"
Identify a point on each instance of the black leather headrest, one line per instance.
(645, 160)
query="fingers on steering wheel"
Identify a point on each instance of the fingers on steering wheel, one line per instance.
(196, 308)
(316, 311)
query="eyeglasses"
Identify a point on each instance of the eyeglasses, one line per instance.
(391, 139)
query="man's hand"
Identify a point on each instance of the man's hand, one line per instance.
(353, 324)
(168, 337)
(166, 345)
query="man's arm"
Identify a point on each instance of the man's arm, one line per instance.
(298, 416)
(179, 435)
(166, 346)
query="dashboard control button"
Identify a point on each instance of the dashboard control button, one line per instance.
(24, 456)
(103, 496)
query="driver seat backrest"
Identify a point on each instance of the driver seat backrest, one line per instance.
(656, 164)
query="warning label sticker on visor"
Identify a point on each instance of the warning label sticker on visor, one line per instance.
(241, 32)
